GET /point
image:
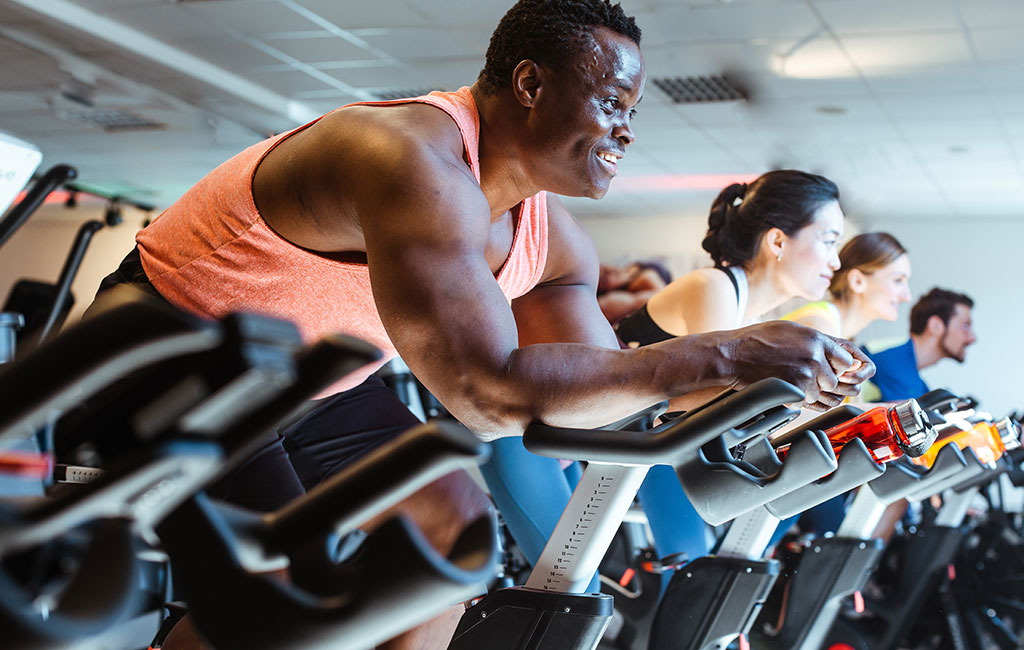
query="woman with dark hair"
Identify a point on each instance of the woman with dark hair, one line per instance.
(772, 240)
(871, 284)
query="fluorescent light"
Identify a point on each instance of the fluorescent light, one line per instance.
(159, 52)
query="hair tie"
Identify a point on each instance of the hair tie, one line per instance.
(740, 195)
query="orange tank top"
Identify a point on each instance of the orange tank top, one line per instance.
(211, 253)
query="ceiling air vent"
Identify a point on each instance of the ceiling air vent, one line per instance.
(387, 94)
(696, 90)
(108, 119)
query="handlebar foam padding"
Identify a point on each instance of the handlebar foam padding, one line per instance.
(376, 482)
(669, 443)
(984, 477)
(905, 478)
(101, 594)
(855, 467)
(93, 354)
(938, 399)
(721, 491)
(143, 487)
(974, 470)
(397, 581)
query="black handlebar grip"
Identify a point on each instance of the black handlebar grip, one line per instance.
(667, 443)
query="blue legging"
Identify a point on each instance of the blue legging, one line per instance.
(531, 492)
(675, 524)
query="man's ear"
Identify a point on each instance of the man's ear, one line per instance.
(526, 82)
(935, 325)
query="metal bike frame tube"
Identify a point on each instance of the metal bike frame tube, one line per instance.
(749, 535)
(954, 507)
(863, 517)
(587, 527)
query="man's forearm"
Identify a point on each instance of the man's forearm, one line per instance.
(579, 385)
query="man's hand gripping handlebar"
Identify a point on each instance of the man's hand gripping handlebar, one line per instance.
(825, 368)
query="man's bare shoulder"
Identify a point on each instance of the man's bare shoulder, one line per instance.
(391, 132)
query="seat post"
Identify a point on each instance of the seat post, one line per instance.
(586, 528)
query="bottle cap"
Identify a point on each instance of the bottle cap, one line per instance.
(1009, 433)
(919, 431)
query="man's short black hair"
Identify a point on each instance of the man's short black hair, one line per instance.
(937, 302)
(550, 32)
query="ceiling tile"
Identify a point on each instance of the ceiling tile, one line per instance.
(670, 24)
(937, 106)
(165, 21)
(949, 150)
(811, 112)
(451, 75)
(226, 52)
(379, 13)
(410, 44)
(326, 47)
(103, 5)
(968, 130)
(385, 76)
(483, 15)
(997, 44)
(248, 16)
(991, 13)
(907, 52)
(759, 20)
(881, 16)
(962, 77)
(772, 86)
(287, 82)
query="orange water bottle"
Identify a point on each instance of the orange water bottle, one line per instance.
(988, 440)
(887, 432)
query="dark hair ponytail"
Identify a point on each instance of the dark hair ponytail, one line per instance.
(785, 199)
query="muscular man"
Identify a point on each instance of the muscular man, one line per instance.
(940, 328)
(425, 226)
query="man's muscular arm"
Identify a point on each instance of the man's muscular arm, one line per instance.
(426, 225)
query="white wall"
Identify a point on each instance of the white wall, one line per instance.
(37, 250)
(983, 258)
